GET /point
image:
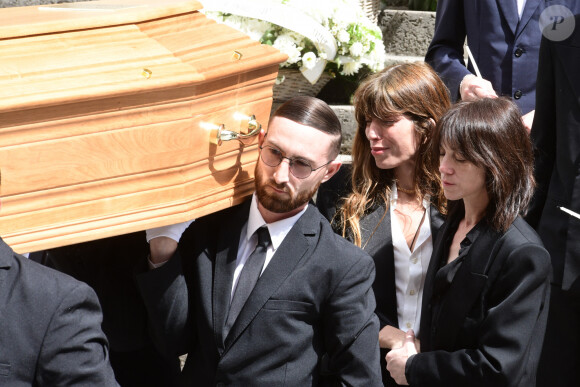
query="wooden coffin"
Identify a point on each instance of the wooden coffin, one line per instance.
(108, 118)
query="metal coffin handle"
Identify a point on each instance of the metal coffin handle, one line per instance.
(217, 136)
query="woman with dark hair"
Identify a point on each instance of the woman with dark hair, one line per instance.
(485, 301)
(391, 208)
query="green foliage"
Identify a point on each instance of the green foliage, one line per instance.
(422, 5)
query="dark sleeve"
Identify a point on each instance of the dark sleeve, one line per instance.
(75, 349)
(330, 193)
(351, 328)
(165, 293)
(514, 319)
(445, 53)
(543, 132)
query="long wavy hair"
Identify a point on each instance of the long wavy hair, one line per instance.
(490, 134)
(415, 91)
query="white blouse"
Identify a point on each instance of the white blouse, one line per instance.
(410, 267)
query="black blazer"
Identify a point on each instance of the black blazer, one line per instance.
(309, 319)
(50, 328)
(556, 138)
(378, 243)
(489, 325)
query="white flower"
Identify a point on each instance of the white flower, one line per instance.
(288, 48)
(256, 28)
(343, 36)
(356, 49)
(287, 39)
(309, 60)
(342, 15)
(358, 41)
(351, 68)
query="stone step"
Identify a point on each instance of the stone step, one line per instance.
(397, 59)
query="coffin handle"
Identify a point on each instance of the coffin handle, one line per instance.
(221, 134)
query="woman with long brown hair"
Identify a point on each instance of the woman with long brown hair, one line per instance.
(392, 205)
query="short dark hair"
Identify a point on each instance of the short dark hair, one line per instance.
(490, 134)
(313, 112)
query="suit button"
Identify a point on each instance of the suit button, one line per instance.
(518, 52)
(518, 94)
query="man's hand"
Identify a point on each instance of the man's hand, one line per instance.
(473, 88)
(391, 337)
(161, 249)
(528, 119)
(397, 358)
(163, 241)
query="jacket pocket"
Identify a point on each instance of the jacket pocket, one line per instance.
(288, 305)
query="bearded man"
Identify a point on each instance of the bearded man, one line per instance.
(265, 293)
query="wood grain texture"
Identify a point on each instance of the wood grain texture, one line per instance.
(105, 128)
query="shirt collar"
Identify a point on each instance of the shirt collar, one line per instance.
(278, 230)
(472, 235)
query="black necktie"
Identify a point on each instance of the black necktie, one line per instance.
(248, 277)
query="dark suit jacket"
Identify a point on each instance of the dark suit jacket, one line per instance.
(108, 267)
(377, 242)
(50, 328)
(556, 138)
(504, 47)
(310, 314)
(487, 327)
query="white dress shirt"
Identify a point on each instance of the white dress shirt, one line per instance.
(410, 267)
(249, 240)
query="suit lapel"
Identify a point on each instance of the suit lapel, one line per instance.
(6, 255)
(439, 232)
(294, 247)
(378, 243)
(465, 289)
(225, 265)
(436, 222)
(509, 10)
(436, 257)
(529, 10)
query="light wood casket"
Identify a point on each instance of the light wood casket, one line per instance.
(108, 118)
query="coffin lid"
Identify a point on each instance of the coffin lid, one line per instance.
(109, 114)
(87, 50)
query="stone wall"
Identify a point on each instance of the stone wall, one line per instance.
(406, 34)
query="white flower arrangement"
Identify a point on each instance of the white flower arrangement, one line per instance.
(359, 42)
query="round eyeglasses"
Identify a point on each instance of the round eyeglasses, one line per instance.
(300, 168)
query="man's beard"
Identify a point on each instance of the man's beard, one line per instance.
(276, 204)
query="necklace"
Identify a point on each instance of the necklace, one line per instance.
(405, 190)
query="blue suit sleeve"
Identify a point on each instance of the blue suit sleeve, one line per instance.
(445, 53)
